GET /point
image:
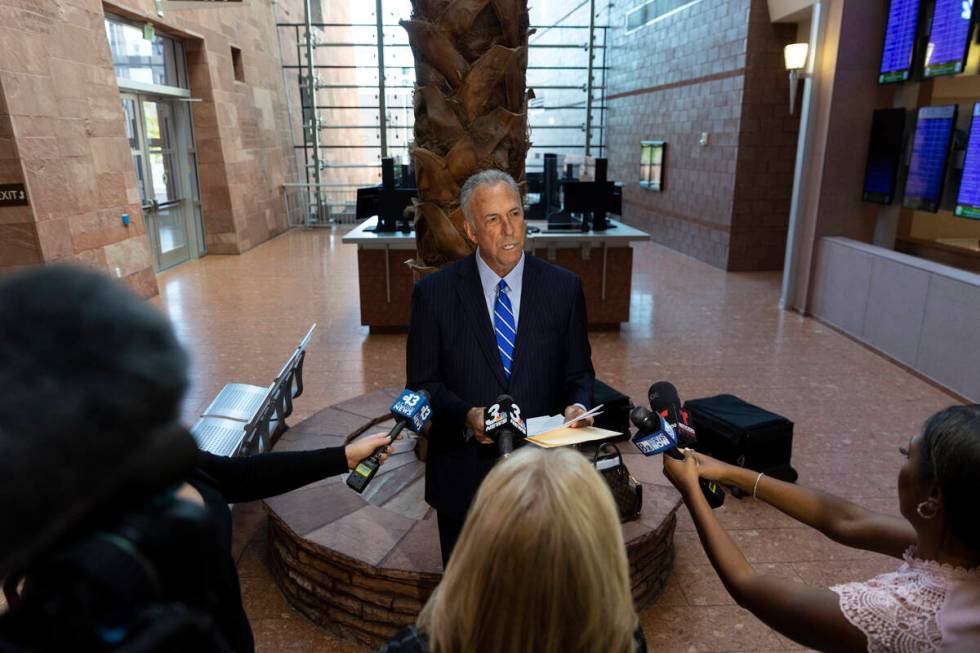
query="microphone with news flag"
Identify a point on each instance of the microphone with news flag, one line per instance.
(503, 423)
(665, 429)
(411, 410)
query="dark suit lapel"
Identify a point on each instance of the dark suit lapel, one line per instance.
(530, 291)
(470, 292)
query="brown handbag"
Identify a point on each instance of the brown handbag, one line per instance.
(626, 490)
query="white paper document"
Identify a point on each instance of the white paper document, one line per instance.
(553, 431)
(543, 424)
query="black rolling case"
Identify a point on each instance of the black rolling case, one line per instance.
(739, 433)
(615, 409)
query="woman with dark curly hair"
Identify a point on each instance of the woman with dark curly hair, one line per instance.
(930, 603)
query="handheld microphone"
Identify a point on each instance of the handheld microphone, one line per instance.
(665, 401)
(656, 435)
(502, 423)
(411, 410)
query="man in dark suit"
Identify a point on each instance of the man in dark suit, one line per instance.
(494, 322)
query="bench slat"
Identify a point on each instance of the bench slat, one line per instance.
(239, 401)
(222, 437)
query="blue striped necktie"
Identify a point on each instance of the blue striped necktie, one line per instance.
(505, 327)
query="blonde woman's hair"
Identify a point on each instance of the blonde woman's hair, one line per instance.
(539, 566)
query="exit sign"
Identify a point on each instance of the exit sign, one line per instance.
(13, 195)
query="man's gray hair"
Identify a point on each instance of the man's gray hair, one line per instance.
(489, 177)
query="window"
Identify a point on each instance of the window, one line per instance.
(158, 61)
(652, 11)
(652, 164)
(236, 61)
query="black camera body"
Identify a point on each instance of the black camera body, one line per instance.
(137, 583)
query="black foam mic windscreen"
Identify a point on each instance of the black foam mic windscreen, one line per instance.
(663, 396)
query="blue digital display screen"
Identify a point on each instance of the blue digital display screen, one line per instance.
(884, 155)
(896, 57)
(930, 151)
(968, 199)
(949, 37)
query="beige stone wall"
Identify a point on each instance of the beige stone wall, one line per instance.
(18, 232)
(62, 132)
(70, 148)
(241, 128)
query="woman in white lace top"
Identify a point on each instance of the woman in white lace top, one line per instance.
(930, 603)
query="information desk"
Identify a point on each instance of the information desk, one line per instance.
(603, 260)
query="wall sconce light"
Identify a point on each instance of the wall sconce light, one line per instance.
(795, 55)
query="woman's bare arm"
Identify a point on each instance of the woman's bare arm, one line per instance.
(809, 616)
(840, 520)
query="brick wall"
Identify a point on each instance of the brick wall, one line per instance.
(712, 67)
(62, 132)
(766, 150)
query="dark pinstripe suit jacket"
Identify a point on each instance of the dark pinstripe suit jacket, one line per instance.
(452, 353)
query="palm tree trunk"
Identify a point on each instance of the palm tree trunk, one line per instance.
(470, 109)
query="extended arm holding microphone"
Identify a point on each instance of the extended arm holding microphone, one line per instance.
(270, 474)
(656, 435)
(808, 615)
(839, 519)
(411, 410)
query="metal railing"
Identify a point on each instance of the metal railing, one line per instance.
(331, 204)
(367, 113)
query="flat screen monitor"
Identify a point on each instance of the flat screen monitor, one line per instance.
(949, 38)
(576, 196)
(899, 48)
(930, 153)
(535, 181)
(584, 196)
(367, 202)
(968, 199)
(884, 155)
(616, 201)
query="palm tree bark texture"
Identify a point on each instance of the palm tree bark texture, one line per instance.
(470, 110)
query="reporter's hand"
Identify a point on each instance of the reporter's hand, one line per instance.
(574, 411)
(682, 473)
(474, 420)
(710, 468)
(360, 449)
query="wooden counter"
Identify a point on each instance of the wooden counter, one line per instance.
(603, 260)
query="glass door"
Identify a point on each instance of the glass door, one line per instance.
(154, 129)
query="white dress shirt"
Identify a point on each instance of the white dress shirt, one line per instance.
(489, 280)
(515, 281)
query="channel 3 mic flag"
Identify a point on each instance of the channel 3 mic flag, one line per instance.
(502, 423)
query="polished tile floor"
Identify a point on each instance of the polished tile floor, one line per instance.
(706, 331)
